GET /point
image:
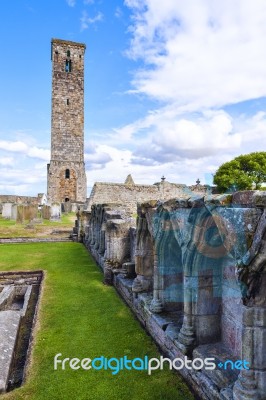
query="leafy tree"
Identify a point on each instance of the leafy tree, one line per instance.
(242, 173)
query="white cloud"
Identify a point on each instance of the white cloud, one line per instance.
(86, 21)
(15, 189)
(36, 152)
(16, 146)
(181, 147)
(196, 58)
(71, 3)
(24, 148)
(6, 161)
(199, 137)
(116, 169)
(21, 180)
(199, 54)
(97, 159)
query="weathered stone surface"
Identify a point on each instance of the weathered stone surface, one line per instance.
(203, 257)
(14, 212)
(129, 180)
(259, 199)
(221, 377)
(251, 268)
(9, 324)
(130, 194)
(19, 199)
(7, 210)
(18, 298)
(243, 198)
(66, 171)
(46, 212)
(55, 211)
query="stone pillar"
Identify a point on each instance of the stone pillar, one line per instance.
(97, 229)
(143, 257)
(186, 337)
(251, 384)
(102, 243)
(156, 304)
(92, 225)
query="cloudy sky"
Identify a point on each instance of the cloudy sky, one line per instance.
(172, 87)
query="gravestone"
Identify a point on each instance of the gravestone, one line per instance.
(55, 211)
(46, 212)
(14, 212)
(6, 212)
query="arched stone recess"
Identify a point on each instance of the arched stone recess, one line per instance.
(168, 272)
(144, 255)
(204, 257)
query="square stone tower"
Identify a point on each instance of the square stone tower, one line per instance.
(66, 172)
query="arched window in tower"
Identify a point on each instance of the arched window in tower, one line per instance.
(67, 174)
(68, 66)
(68, 53)
(56, 56)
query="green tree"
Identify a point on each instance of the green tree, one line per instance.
(242, 173)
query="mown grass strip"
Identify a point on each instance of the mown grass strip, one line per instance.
(80, 317)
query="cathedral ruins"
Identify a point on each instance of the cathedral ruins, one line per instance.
(189, 262)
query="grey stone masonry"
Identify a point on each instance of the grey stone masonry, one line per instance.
(129, 193)
(199, 281)
(9, 324)
(66, 171)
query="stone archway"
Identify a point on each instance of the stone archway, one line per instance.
(203, 259)
(168, 271)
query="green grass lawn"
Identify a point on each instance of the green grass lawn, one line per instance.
(80, 317)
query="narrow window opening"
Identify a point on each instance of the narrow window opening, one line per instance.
(67, 174)
(67, 102)
(56, 55)
(68, 66)
(66, 199)
(80, 56)
(68, 53)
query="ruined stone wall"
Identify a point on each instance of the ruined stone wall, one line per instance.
(66, 171)
(198, 285)
(19, 199)
(13, 199)
(130, 195)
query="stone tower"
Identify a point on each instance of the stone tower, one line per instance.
(66, 171)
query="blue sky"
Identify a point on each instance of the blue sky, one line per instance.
(171, 90)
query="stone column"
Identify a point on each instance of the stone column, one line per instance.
(102, 243)
(156, 304)
(251, 383)
(186, 337)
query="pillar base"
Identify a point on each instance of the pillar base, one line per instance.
(186, 339)
(156, 306)
(245, 387)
